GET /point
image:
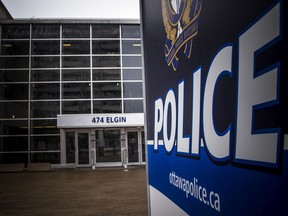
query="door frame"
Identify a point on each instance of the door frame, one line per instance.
(140, 141)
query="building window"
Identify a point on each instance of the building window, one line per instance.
(76, 31)
(15, 31)
(130, 31)
(44, 47)
(105, 31)
(45, 31)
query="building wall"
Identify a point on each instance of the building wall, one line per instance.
(47, 69)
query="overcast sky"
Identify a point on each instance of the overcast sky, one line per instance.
(84, 9)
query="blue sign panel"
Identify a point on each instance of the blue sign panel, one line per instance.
(216, 107)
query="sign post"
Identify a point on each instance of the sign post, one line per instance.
(216, 105)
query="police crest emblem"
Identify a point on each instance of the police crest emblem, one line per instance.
(180, 18)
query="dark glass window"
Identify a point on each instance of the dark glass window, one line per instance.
(76, 75)
(45, 31)
(130, 31)
(12, 110)
(132, 74)
(45, 143)
(75, 61)
(131, 61)
(45, 47)
(14, 143)
(76, 107)
(76, 90)
(45, 75)
(46, 62)
(106, 74)
(106, 47)
(131, 47)
(106, 61)
(70, 47)
(133, 90)
(133, 106)
(13, 127)
(75, 31)
(48, 126)
(14, 91)
(13, 158)
(14, 75)
(107, 106)
(45, 109)
(15, 31)
(14, 62)
(45, 91)
(105, 31)
(15, 48)
(107, 90)
(45, 157)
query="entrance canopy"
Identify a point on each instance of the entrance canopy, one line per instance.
(101, 120)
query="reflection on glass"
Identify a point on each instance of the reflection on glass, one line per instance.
(45, 75)
(45, 157)
(107, 106)
(107, 90)
(106, 74)
(45, 91)
(130, 31)
(46, 62)
(76, 75)
(45, 109)
(108, 146)
(71, 47)
(132, 61)
(76, 90)
(14, 75)
(132, 139)
(15, 48)
(45, 143)
(11, 110)
(131, 47)
(13, 127)
(76, 107)
(75, 61)
(45, 47)
(133, 90)
(83, 148)
(45, 31)
(70, 147)
(14, 91)
(47, 126)
(76, 30)
(16, 143)
(15, 31)
(105, 31)
(132, 74)
(133, 106)
(14, 62)
(106, 47)
(106, 61)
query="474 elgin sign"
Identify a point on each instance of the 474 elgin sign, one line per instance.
(180, 18)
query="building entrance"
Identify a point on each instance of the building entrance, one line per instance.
(104, 147)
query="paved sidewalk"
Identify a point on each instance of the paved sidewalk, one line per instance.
(74, 192)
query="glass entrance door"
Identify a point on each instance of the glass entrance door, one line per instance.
(133, 146)
(82, 149)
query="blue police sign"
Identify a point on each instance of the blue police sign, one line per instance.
(216, 106)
